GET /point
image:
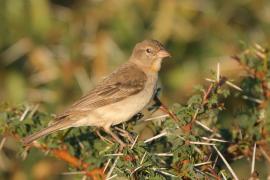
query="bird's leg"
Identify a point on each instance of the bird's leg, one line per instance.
(126, 134)
(109, 131)
(102, 137)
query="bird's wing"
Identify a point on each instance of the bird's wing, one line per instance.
(126, 81)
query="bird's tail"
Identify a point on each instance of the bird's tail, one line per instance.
(44, 132)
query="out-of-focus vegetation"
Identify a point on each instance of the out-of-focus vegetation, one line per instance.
(51, 52)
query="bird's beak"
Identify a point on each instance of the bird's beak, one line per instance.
(163, 53)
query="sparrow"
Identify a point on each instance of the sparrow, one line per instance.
(118, 97)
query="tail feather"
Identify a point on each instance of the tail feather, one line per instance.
(44, 132)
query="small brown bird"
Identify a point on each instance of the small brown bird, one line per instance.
(117, 98)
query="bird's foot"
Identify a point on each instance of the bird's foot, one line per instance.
(102, 137)
(126, 134)
(116, 138)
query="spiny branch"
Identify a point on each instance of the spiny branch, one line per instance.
(63, 154)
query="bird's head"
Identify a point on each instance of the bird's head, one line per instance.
(149, 54)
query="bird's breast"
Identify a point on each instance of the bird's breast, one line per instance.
(126, 109)
(123, 110)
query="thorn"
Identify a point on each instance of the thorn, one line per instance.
(106, 165)
(163, 154)
(252, 99)
(214, 139)
(210, 80)
(215, 162)
(253, 159)
(203, 163)
(144, 155)
(157, 117)
(204, 126)
(112, 168)
(115, 154)
(163, 172)
(234, 86)
(218, 72)
(24, 113)
(134, 142)
(156, 137)
(226, 163)
(222, 174)
(136, 169)
(113, 176)
(201, 143)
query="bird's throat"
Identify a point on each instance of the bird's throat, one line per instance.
(156, 65)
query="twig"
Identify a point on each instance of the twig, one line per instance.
(167, 111)
(212, 173)
(261, 75)
(266, 156)
(204, 101)
(207, 93)
(226, 163)
(64, 155)
(163, 108)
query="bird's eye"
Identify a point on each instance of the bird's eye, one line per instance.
(148, 50)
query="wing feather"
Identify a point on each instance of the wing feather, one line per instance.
(126, 81)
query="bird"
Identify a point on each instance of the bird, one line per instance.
(118, 97)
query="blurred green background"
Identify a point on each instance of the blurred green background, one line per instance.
(53, 51)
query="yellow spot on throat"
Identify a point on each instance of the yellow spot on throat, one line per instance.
(155, 67)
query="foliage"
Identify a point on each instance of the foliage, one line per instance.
(190, 143)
